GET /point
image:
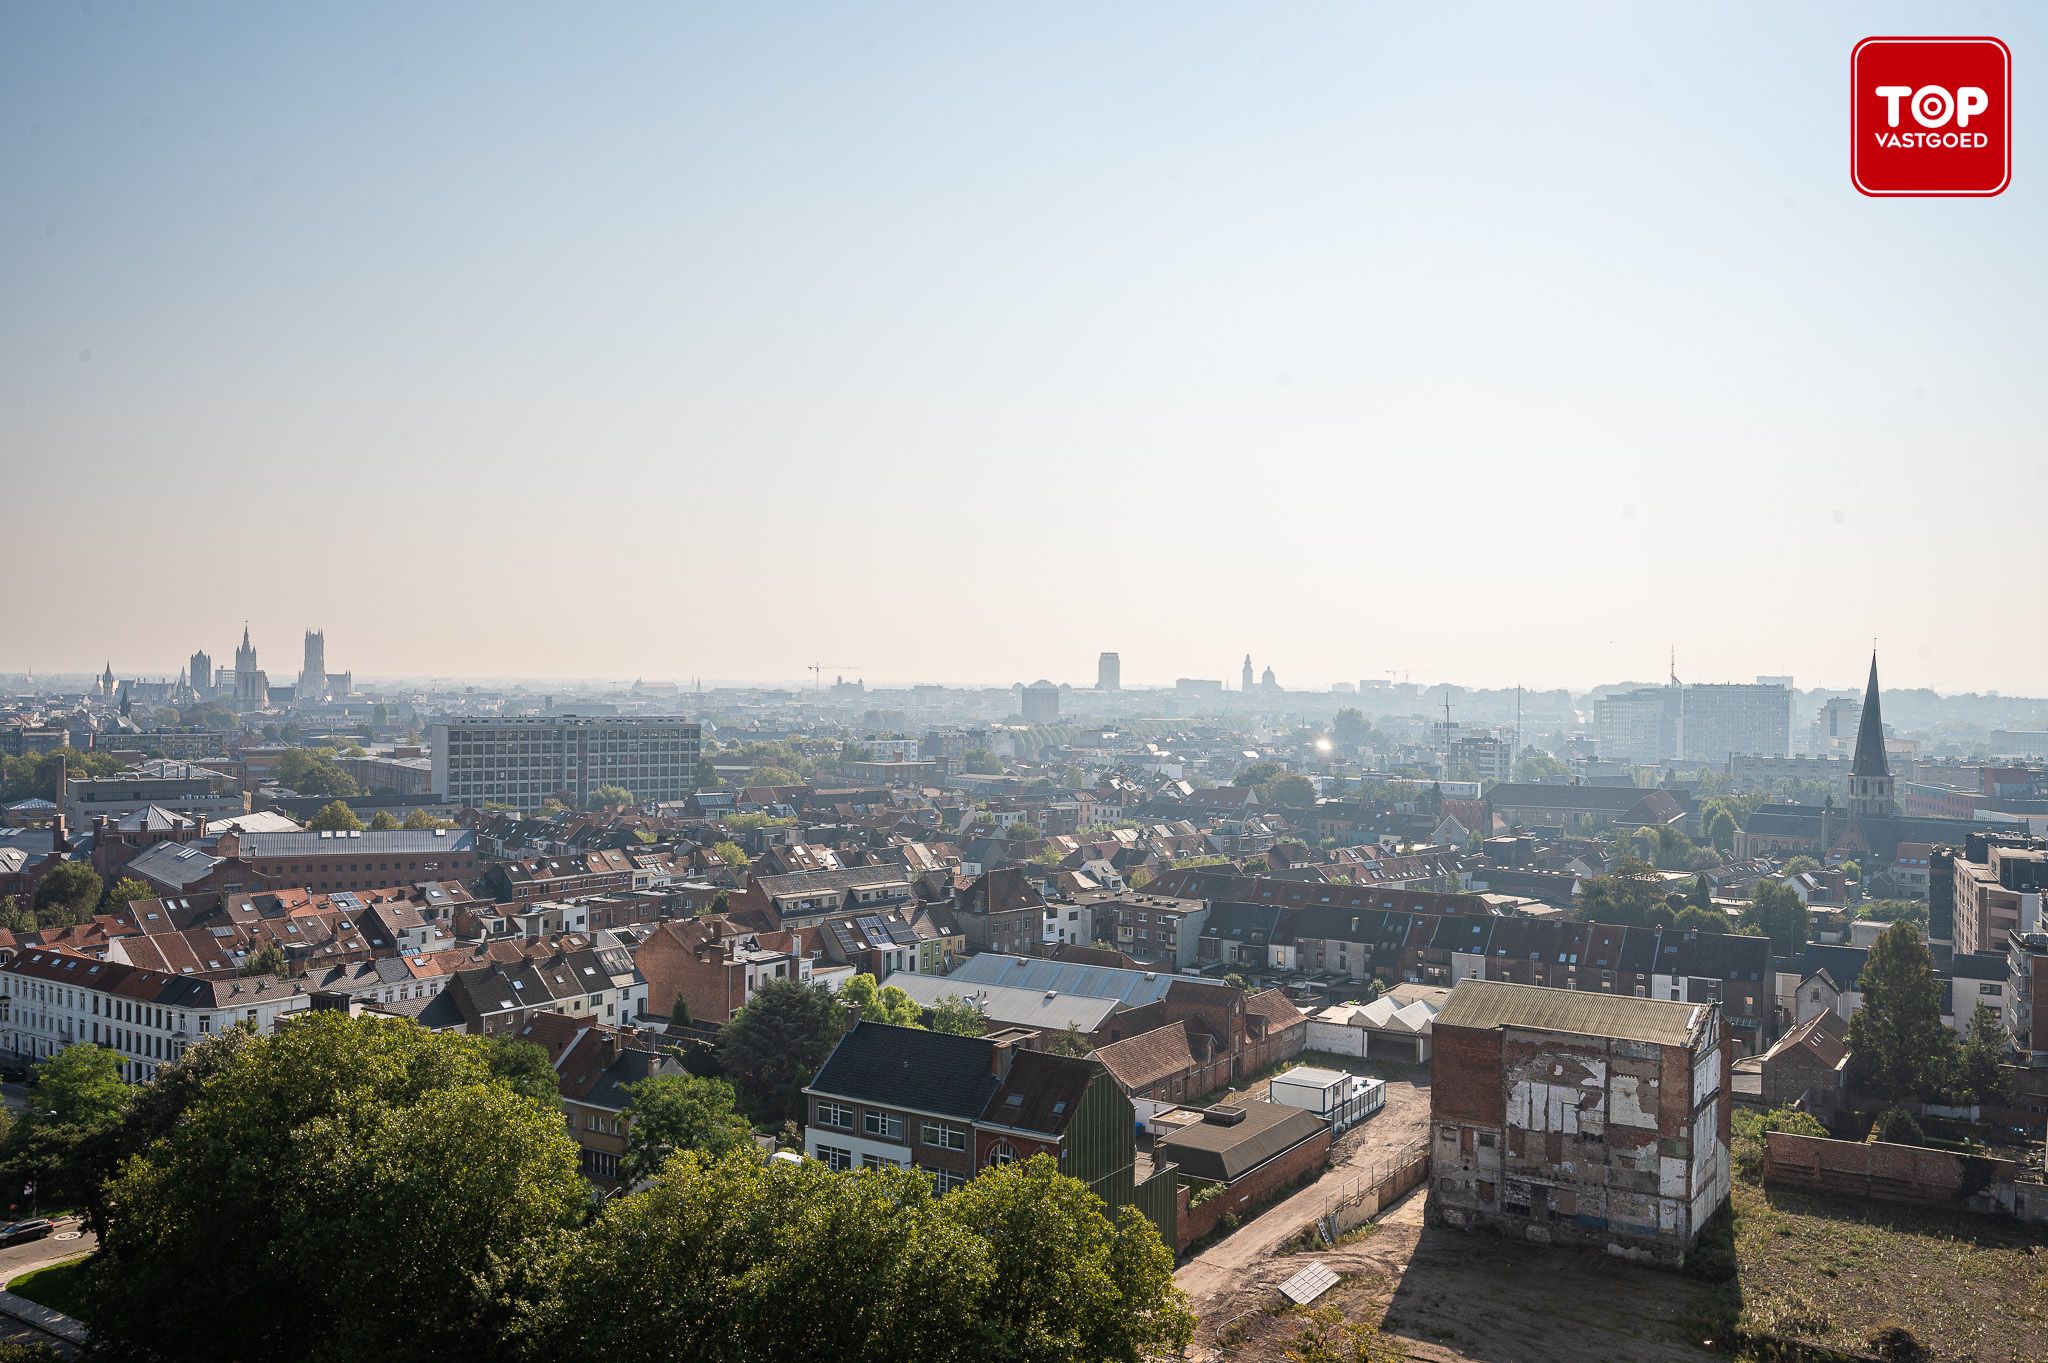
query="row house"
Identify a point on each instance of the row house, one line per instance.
(807, 897)
(51, 1000)
(595, 1067)
(1154, 927)
(529, 880)
(952, 1106)
(572, 977)
(715, 966)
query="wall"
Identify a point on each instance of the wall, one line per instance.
(1252, 1191)
(1901, 1173)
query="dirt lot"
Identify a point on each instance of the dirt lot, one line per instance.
(1450, 1296)
(1471, 1297)
(1372, 1146)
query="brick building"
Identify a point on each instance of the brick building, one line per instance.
(1565, 1117)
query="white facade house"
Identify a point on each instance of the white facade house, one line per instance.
(52, 1000)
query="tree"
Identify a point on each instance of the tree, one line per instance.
(773, 1046)
(267, 959)
(1979, 1078)
(1070, 1282)
(1776, 913)
(1071, 1042)
(982, 762)
(1256, 775)
(335, 817)
(610, 796)
(1349, 727)
(420, 820)
(775, 776)
(1898, 1046)
(525, 1066)
(384, 821)
(78, 1097)
(313, 771)
(126, 891)
(669, 1113)
(957, 1016)
(1325, 1336)
(1541, 766)
(1236, 981)
(1023, 832)
(340, 1160)
(1292, 790)
(1721, 829)
(1800, 866)
(679, 1008)
(1629, 898)
(881, 1003)
(731, 854)
(68, 894)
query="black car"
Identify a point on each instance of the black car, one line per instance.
(22, 1232)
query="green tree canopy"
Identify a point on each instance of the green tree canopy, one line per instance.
(420, 820)
(881, 1003)
(1776, 913)
(1290, 789)
(1256, 775)
(1350, 727)
(608, 796)
(956, 1015)
(775, 1044)
(267, 959)
(670, 1113)
(127, 890)
(1978, 1077)
(340, 1161)
(731, 853)
(67, 894)
(313, 771)
(1540, 766)
(1898, 1046)
(525, 1066)
(733, 1261)
(77, 1101)
(384, 821)
(982, 762)
(335, 817)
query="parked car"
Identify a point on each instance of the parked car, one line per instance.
(21, 1232)
(13, 1073)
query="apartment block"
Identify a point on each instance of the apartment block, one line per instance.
(521, 761)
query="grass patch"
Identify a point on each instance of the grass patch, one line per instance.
(61, 1287)
(1832, 1273)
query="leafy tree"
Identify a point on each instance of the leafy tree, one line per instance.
(1800, 866)
(1895, 911)
(335, 817)
(775, 776)
(773, 1046)
(982, 762)
(77, 1098)
(608, 796)
(732, 854)
(1023, 832)
(1070, 1282)
(1257, 775)
(419, 820)
(881, 1003)
(1721, 828)
(669, 1113)
(1325, 1336)
(1349, 727)
(1898, 1127)
(1898, 1046)
(68, 894)
(1541, 766)
(1776, 913)
(1071, 1042)
(384, 821)
(126, 891)
(313, 771)
(1979, 1078)
(679, 1008)
(525, 1066)
(956, 1015)
(339, 1161)
(1236, 981)
(267, 959)
(1628, 898)
(1292, 790)
(33, 776)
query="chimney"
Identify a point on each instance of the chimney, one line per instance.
(1000, 1055)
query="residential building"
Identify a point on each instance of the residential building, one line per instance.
(1041, 703)
(1002, 910)
(803, 898)
(523, 760)
(57, 999)
(1575, 1118)
(1805, 1068)
(594, 1065)
(714, 966)
(952, 1106)
(1155, 927)
(1717, 720)
(1995, 889)
(1638, 727)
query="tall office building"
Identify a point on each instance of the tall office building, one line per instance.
(1041, 703)
(521, 761)
(1717, 720)
(1638, 727)
(1109, 673)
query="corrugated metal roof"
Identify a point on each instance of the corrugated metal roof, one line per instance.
(1487, 1004)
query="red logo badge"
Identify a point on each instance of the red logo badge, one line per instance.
(1930, 117)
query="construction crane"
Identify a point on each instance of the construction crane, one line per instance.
(818, 673)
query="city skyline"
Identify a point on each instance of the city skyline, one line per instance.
(1308, 304)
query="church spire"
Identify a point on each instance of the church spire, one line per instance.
(1870, 758)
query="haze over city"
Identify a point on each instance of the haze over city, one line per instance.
(1493, 347)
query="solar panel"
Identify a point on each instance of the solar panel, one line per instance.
(1305, 1286)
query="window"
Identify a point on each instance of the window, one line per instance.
(945, 1181)
(887, 1125)
(836, 1115)
(1001, 1153)
(837, 1159)
(945, 1137)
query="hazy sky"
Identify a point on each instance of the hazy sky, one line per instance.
(960, 342)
